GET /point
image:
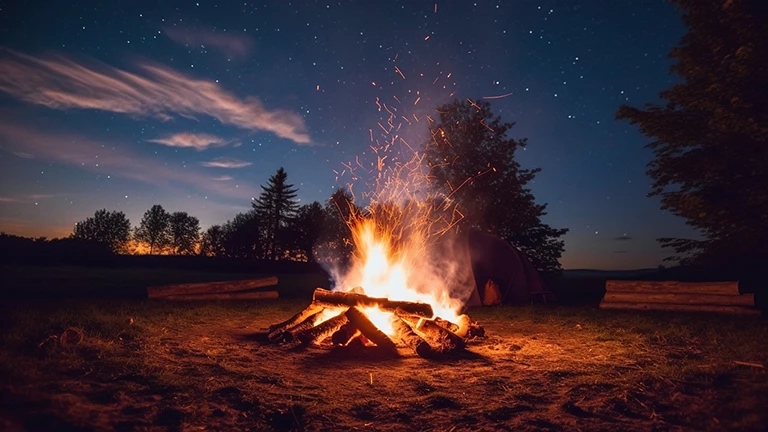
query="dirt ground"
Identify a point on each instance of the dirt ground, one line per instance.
(150, 367)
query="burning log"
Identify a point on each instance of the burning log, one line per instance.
(345, 334)
(320, 332)
(287, 334)
(406, 334)
(451, 327)
(369, 329)
(446, 340)
(298, 318)
(350, 299)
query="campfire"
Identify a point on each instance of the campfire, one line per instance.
(353, 319)
(385, 308)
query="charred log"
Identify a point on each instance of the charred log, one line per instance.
(320, 332)
(290, 334)
(335, 299)
(369, 329)
(406, 335)
(445, 340)
(451, 327)
(345, 334)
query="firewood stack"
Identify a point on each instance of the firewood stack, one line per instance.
(349, 326)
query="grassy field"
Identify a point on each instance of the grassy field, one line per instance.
(143, 365)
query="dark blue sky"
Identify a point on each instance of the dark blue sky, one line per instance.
(192, 105)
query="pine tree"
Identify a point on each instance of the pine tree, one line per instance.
(471, 159)
(710, 137)
(275, 207)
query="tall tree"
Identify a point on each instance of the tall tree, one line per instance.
(472, 160)
(185, 233)
(212, 241)
(154, 229)
(111, 228)
(242, 236)
(335, 244)
(306, 228)
(710, 137)
(275, 207)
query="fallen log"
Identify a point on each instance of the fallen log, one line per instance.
(209, 287)
(406, 335)
(247, 295)
(738, 310)
(335, 299)
(679, 298)
(318, 333)
(672, 287)
(369, 329)
(296, 319)
(445, 340)
(345, 334)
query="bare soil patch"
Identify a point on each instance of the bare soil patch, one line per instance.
(154, 366)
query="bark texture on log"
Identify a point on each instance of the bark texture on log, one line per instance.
(350, 299)
(452, 327)
(738, 310)
(247, 295)
(289, 334)
(463, 324)
(210, 287)
(672, 287)
(683, 299)
(320, 332)
(296, 319)
(406, 335)
(369, 329)
(445, 340)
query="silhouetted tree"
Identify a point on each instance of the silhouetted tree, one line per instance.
(185, 233)
(306, 227)
(275, 207)
(154, 229)
(111, 228)
(335, 242)
(242, 236)
(471, 159)
(710, 137)
(212, 241)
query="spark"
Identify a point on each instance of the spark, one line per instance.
(426, 38)
(397, 69)
(498, 97)
(398, 100)
(417, 100)
(474, 104)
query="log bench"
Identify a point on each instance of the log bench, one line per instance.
(719, 297)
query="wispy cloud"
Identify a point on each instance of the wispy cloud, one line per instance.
(224, 162)
(8, 200)
(58, 82)
(108, 159)
(231, 45)
(197, 141)
(23, 155)
(223, 178)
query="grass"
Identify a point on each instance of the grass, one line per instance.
(144, 364)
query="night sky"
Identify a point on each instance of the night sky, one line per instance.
(193, 105)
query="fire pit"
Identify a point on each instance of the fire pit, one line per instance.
(353, 319)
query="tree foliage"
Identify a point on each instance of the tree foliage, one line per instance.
(334, 244)
(212, 241)
(242, 237)
(184, 233)
(472, 160)
(154, 229)
(710, 161)
(306, 228)
(110, 228)
(275, 208)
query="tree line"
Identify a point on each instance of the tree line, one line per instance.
(276, 227)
